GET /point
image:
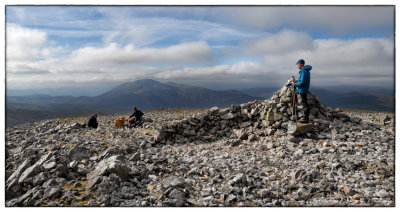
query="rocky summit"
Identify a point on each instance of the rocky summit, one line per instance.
(253, 154)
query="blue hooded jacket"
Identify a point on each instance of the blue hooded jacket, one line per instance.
(303, 84)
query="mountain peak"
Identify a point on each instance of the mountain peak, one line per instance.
(146, 81)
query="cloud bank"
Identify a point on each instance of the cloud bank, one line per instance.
(189, 46)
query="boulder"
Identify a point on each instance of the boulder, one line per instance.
(17, 173)
(78, 153)
(29, 172)
(227, 116)
(107, 166)
(297, 129)
(52, 192)
(173, 182)
(178, 197)
(241, 134)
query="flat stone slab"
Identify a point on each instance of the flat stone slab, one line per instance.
(297, 129)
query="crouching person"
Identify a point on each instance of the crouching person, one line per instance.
(135, 119)
(92, 122)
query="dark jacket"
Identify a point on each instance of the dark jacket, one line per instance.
(138, 115)
(92, 122)
(303, 84)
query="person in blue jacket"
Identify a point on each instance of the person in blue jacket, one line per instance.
(302, 85)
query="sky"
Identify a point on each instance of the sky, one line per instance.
(219, 47)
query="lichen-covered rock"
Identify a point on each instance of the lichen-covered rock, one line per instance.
(297, 129)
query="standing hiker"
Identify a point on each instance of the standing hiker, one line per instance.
(136, 118)
(302, 86)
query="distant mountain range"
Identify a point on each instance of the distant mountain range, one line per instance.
(150, 94)
(145, 94)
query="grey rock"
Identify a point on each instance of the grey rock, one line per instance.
(227, 116)
(15, 176)
(38, 194)
(108, 153)
(382, 193)
(235, 142)
(241, 134)
(93, 203)
(270, 131)
(264, 193)
(173, 182)
(206, 191)
(108, 166)
(29, 172)
(135, 157)
(323, 150)
(298, 152)
(153, 177)
(231, 198)
(21, 199)
(78, 153)
(240, 178)
(252, 138)
(244, 124)
(143, 144)
(52, 192)
(178, 197)
(49, 165)
(297, 129)
(40, 178)
(50, 183)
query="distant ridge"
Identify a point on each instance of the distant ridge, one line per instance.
(15, 116)
(150, 94)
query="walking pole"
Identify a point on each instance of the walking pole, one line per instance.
(294, 101)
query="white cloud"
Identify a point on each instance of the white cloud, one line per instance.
(334, 61)
(113, 54)
(145, 31)
(241, 69)
(27, 53)
(363, 52)
(359, 61)
(279, 43)
(332, 19)
(25, 68)
(23, 43)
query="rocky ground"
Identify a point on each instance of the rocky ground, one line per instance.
(347, 160)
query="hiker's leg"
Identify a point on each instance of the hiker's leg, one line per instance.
(131, 123)
(304, 102)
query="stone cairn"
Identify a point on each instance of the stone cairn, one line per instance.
(274, 115)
